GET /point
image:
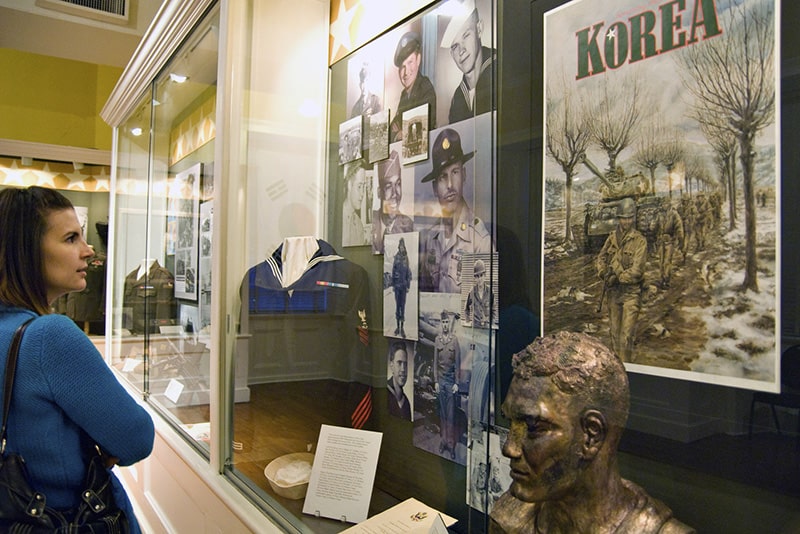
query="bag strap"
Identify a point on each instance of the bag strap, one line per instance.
(11, 370)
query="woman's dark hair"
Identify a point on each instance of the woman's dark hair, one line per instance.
(23, 223)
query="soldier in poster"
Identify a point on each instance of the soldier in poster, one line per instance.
(621, 265)
(668, 229)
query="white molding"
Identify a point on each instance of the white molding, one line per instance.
(12, 147)
(173, 22)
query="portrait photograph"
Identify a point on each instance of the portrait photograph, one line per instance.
(356, 205)
(664, 246)
(453, 191)
(365, 85)
(400, 378)
(393, 198)
(465, 60)
(408, 83)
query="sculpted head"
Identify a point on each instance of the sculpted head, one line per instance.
(567, 405)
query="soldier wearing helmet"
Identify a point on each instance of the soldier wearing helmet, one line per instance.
(668, 229)
(480, 309)
(621, 265)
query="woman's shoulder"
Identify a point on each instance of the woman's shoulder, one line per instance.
(56, 321)
(56, 330)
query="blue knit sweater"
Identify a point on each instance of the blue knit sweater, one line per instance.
(65, 399)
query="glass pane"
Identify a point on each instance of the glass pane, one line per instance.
(330, 331)
(130, 211)
(164, 259)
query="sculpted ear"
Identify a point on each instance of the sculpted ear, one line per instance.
(595, 430)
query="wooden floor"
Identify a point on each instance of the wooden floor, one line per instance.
(280, 418)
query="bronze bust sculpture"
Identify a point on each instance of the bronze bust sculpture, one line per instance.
(567, 405)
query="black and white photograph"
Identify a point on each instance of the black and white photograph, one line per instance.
(415, 139)
(365, 85)
(350, 140)
(465, 60)
(393, 200)
(204, 301)
(356, 205)
(490, 476)
(661, 198)
(365, 94)
(400, 286)
(400, 367)
(479, 290)
(452, 203)
(408, 82)
(441, 381)
(184, 207)
(378, 136)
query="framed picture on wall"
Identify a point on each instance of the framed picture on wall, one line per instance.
(661, 206)
(184, 210)
(415, 134)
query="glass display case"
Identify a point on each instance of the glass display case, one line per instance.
(163, 193)
(367, 244)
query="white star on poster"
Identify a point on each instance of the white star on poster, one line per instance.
(340, 28)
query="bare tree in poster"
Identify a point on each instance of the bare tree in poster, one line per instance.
(649, 150)
(695, 168)
(723, 142)
(735, 78)
(673, 152)
(617, 112)
(567, 139)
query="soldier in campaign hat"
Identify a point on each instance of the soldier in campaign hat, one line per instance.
(417, 88)
(388, 219)
(457, 231)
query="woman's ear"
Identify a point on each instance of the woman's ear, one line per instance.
(595, 430)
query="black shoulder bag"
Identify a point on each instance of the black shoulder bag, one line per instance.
(24, 510)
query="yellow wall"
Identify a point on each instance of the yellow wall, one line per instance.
(48, 100)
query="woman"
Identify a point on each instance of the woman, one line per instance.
(65, 397)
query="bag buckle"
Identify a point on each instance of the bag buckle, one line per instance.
(35, 507)
(95, 503)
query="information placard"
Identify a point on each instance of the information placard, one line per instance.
(343, 474)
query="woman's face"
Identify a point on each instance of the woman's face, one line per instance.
(65, 254)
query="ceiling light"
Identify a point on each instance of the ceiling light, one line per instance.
(177, 78)
(136, 132)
